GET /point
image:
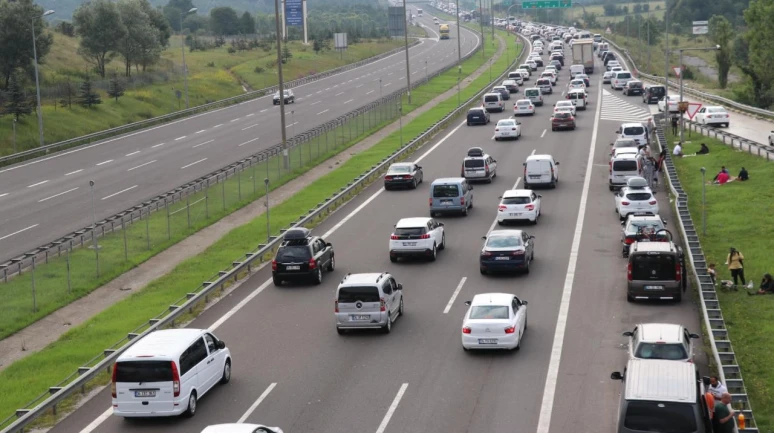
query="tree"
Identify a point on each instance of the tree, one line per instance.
(637, 8)
(286, 54)
(652, 27)
(760, 53)
(69, 92)
(115, 87)
(139, 33)
(194, 23)
(101, 29)
(317, 46)
(224, 21)
(16, 21)
(247, 24)
(172, 12)
(18, 105)
(722, 33)
(646, 7)
(149, 51)
(87, 96)
(610, 9)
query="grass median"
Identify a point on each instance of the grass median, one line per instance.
(29, 377)
(739, 214)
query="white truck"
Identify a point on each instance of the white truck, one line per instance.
(583, 54)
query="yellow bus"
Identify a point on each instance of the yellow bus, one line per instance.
(444, 30)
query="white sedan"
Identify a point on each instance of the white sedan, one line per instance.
(494, 321)
(532, 65)
(519, 205)
(673, 100)
(576, 84)
(523, 107)
(564, 105)
(507, 128)
(713, 116)
(241, 428)
(607, 77)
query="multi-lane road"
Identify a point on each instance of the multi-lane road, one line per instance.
(293, 370)
(49, 197)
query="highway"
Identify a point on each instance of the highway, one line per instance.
(49, 197)
(294, 371)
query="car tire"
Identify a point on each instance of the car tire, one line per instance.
(629, 298)
(340, 331)
(319, 277)
(393, 259)
(526, 185)
(526, 270)
(277, 281)
(497, 139)
(482, 270)
(190, 411)
(679, 298)
(434, 253)
(414, 185)
(400, 308)
(443, 242)
(465, 211)
(226, 378)
(468, 123)
(332, 264)
(553, 129)
(387, 327)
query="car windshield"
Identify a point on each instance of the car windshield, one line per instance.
(634, 130)
(503, 242)
(562, 115)
(625, 165)
(660, 416)
(672, 352)
(294, 253)
(400, 169)
(446, 191)
(348, 295)
(144, 371)
(489, 312)
(653, 267)
(638, 196)
(516, 200)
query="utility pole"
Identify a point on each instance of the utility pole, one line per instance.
(182, 47)
(281, 86)
(459, 40)
(481, 24)
(37, 83)
(405, 36)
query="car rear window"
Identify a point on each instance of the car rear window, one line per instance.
(144, 371)
(660, 416)
(634, 130)
(623, 76)
(400, 169)
(635, 85)
(656, 91)
(410, 231)
(543, 83)
(638, 196)
(531, 93)
(446, 191)
(715, 110)
(348, 295)
(672, 352)
(653, 267)
(293, 253)
(517, 200)
(625, 166)
(474, 163)
(491, 98)
(476, 112)
(562, 115)
(625, 143)
(503, 242)
(489, 312)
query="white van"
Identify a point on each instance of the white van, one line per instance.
(636, 131)
(622, 167)
(578, 98)
(620, 78)
(576, 69)
(493, 102)
(166, 372)
(541, 170)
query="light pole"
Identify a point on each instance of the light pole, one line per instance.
(268, 221)
(400, 122)
(481, 25)
(94, 225)
(405, 38)
(680, 50)
(703, 202)
(380, 88)
(459, 40)
(37, 82)
(182, 47)
(507, 14)
(14, 135)
(491, 19)
(281, 86)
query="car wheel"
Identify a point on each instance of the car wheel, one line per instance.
(468, 123)
(482, 270)
(387, 327)
(526, 269)
(526, 185)
(340, 331)
(277, 281)
(318, 277)
(191, 409)
(414, 185)
(629, 298)
(332, 264)
(400, 309)
(393, 259)
(434, 253)
(497, 139)
(553, 129)
(226, 378)
(679, 297)
(443, 242)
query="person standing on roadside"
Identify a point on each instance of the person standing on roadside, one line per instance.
(723, 415)
(735, 262)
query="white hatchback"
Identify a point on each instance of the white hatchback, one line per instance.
(550, 76)
(576, 84)
(523, 107)
(713, 116)
(494, 321)
(417, 237)
(630, 200)
(507, 128)
(519, 205)
(564, 105)
(661, 341)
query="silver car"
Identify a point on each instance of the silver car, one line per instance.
(368, 301)
(661, 341)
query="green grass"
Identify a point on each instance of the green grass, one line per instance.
(25, 379)
(603, 19)
(213, 75)
(738, 215)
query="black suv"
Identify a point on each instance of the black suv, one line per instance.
(478, 116)
(302, 256)
(653, 94)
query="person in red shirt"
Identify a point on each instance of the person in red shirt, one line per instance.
(723, 177)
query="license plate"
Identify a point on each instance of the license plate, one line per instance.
(654, 287)
(502, 258)
(398, 177)
(446, 202)
(514, 214)
(644, 240)
(409, 244)
(537, 176)
(356, 317)
(487, 341)
(505, 133)
(475, 118)
(293, 268)
(145, 393)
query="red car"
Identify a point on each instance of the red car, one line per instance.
(562, 120)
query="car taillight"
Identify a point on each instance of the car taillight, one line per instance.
(175, 380)
(466, 330)
(335, 306)
(628, 241)
(517, 253)
(502, 208)
(394, 237)
(425, 236)
(312, 263)
(629, 272)
(387, 177)
(572, 118)
(531, 107)
(510, 330)
(678, 272)
(497, 129)
(530, 207)
(430, 201)
(486, 253)
(652, 202)
(273, 265)
(113, 380)
(567, 97)
(625, 203)
(382, 305)
(462, 201)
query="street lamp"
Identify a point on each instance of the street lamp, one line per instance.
(268, 221)
(405, 37)
(680, 50)
(459, 40)
(94, 224)
(182, 47)
(703, 202)
(14, 135)
(37, 82)
(400, 122)
(281, 86)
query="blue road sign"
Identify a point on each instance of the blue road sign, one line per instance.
(294, 13)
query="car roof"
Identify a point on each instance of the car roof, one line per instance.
(412, 222)
(476, 109)
(448, 180)
(716, 106)
(498, 87)
(165, 343)
(517, 193)
(539, 157)
(525, 100)
(235, 428)
(633, 217)
(661, 247)
(506, 120)
(661, 332)
(660, 380)
(492, 298)
(403, 164)
(627, 124)
(367, 278)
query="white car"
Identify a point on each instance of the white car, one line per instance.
(552, 68)
(661, 341)
(519, 205)
(564, 106)
(494, 321)
(527, 68)
(550, 76)
(607, 77)
(713, 116)
(583, 77)
(523, 107)
(417, 237)
(532, 64)
(241, 428)
(538, 49)
(630, 200)
(615, 69)
(507, 128)
(612, 64)
(673, 100)
(577, 84)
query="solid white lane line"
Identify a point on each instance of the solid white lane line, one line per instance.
(240, 305)
(339, 94)
(251, 114)
(387, 84)
(288, 126)
(248, 141)
(36, 184)
(201, 144)
(347, 102)
(368, 93)
(390, 73)
(234, 120)
(105, 162)
(549, 392)
(119, 192)
(193, 163)
(180, 138)
(157, 145)
(4, 194)
(321, 112)
(219, 125)
(328, 88)
(265, 109)
(200, 131)
(318, 92)
(494, 223)
(315, 103)
(543, 134)
(254, 406)
(391, 410)
(73, 172)
(454, 295)
(17, 232)
(97, 421)
(251, 126)
(142, 165)
(57, 195)
(133, 153)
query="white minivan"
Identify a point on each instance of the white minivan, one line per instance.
(576, 69)
(620, 78)
(624, 166)
(578, 98)
(166, 372)
(493, 102)
(541, 170)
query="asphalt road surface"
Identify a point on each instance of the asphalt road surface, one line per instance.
(47, 198)
(418, 379)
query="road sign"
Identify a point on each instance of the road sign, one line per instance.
(608, 31)
(294, 13)
(546, 4)
(700, 27)
(677, 70)
(693, 108)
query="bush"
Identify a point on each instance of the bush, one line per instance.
(231, 50)
(211, 64)
(259, 70)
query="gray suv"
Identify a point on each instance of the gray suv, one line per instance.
(655, 271)
(368, 301)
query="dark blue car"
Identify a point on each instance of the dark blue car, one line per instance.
(507, 251)
(478, 116)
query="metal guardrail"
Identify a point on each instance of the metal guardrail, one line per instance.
(77, 381)
(717, 332)
(698, 93)
(142, 124)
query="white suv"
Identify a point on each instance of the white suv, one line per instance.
(368, 301)
(630, 200)
(519, 205)
(661, 341)
(417, 237)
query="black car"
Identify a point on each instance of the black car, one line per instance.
(403, 174)
(653, 94)
(557, 63)
(503, 91)
(302, 256)
(289, 97)
(608, 57)
(559, 57)
(633, 87)
(478, 116)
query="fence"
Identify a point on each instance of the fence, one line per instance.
(101, 364)
(142, 124)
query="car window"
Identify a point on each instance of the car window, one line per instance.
(636, 226)
(503, 242)
(387, 288)
(489, 312)
(562, 115)
(192, 356)
(524, 103)
(474, 163)
(627, 165)
(530, 93)
(348, 295)
(292, 253)
(638, 196)
(634, 130)
(144, 371)
(670, 352)
(516, 200)
(715, 110)
(659, 416)
(653, 267)
(491, 98)
(446, 191)
(400, 169)
(623, 75)
(506, 123)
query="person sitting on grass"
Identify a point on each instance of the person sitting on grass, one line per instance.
(704, 150)
(766, 288)
(743, 176)
(678, 150)
(722, 178)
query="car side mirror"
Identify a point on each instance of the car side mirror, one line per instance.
(623, 223)
(694, 335)
(524, 303)
(221, 344)
(419, 167)
(628, 334)
(400, 286)
(540, 196)
(706, 380)
(612, 144)
(329, 245)
(532, 237)
(470, 187)
(617, 131)
(501, 197)
(616, 375)
(557, 162)
(467, 303)
(440, 224)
